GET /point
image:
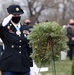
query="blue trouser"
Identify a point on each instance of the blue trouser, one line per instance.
(15, 73)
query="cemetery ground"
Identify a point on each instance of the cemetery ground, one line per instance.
(63, 67)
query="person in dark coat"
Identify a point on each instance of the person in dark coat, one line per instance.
(28, 24)
(15, 59)
(70, 35)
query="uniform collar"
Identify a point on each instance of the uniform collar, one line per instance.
(15, 25)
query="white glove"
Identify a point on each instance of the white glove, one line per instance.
(6, 20)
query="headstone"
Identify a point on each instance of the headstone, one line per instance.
(36, 71)
(63, 55)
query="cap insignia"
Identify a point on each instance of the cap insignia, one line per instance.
(17, 9)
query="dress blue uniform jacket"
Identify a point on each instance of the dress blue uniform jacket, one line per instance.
(15, 57)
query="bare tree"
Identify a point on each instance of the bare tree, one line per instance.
(35, 7)
(52, 10)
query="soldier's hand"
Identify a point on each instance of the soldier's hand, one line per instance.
(6, 20)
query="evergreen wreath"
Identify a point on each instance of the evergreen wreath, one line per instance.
(43, 38)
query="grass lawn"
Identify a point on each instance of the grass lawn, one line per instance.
(63, 67)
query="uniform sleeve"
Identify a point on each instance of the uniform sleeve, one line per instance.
(29, 49)
(0, 28)
(0, 25)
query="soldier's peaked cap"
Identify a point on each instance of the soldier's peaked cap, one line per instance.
(14, 9)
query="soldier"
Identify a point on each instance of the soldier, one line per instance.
(28, 23)
(15, 58)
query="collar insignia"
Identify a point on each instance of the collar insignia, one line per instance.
(8, 27)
